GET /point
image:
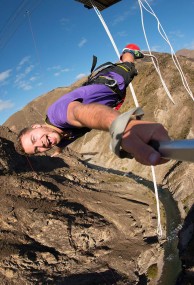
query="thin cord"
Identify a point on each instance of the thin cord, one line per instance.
(15, 20)
(33, 37)
(159, 227)
(12, 24)
(36, 110)
(115, 48)
(150, 53)
(36, 51)
(173, 55)
(106, 28)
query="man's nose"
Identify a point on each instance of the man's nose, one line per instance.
(38, 142)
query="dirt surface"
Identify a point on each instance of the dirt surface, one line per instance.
(63, 223)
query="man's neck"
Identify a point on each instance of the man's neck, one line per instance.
(54, 128)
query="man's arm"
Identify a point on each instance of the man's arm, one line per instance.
(93, 116)
(137, 134)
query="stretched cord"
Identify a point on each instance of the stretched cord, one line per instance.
(115, 48)
(173, 55)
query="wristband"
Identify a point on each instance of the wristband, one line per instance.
(117, 129)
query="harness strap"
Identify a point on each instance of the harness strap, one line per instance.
(94, 62)
(94, 71)
(111, 83)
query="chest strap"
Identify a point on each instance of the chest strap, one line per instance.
(110, 82)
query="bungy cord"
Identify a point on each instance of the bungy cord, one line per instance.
(173, 55)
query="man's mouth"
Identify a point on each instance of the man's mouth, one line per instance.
(50, 141)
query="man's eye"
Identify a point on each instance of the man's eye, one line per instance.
(36, 150)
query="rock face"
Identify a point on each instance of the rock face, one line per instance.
(186, 52)
(65, 222)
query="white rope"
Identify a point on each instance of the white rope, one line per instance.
(159, 227)
(115, 47)
(150, 53)
(173, 55)
(106, 29)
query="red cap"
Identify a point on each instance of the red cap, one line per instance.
(132, 46)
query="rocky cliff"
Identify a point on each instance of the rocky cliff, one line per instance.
(186, 52)
(66, 221)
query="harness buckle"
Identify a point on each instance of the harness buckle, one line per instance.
(110, 82)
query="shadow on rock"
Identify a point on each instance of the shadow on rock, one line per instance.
(109, 276)
(186, 249)
(45, 163)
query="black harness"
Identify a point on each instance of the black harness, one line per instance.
(98, 76)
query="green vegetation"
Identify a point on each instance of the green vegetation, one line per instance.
(152, 271)
(186, 201)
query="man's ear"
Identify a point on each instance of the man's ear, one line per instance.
(35, 126)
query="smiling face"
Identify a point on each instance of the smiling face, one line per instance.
(39, 139)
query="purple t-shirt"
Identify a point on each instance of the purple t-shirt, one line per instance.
(95, 93)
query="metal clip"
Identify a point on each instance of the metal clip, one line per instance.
(109, 79)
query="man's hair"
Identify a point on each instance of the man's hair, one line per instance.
(18, 145)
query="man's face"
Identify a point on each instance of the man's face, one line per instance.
(39, 139)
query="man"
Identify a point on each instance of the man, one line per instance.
(92, 107)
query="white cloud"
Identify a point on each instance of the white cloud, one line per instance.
(6, 105)
(65, 70)
(33, 78)
(22, 81)
(82, 42)
(66, 24)
(22, 75)
(64, 21)
(24, 85)
(23, 61)
(120, 18)
(59, 70)
(19, 77)
(156, 48)
(189, 45)
(81, 75)
(177, 34)
(5, 75)
(122, 34)
(28, 69)
(55, 67)
(40, 84)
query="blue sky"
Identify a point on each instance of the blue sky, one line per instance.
(45, 44)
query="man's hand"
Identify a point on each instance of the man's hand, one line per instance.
(136, 138)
